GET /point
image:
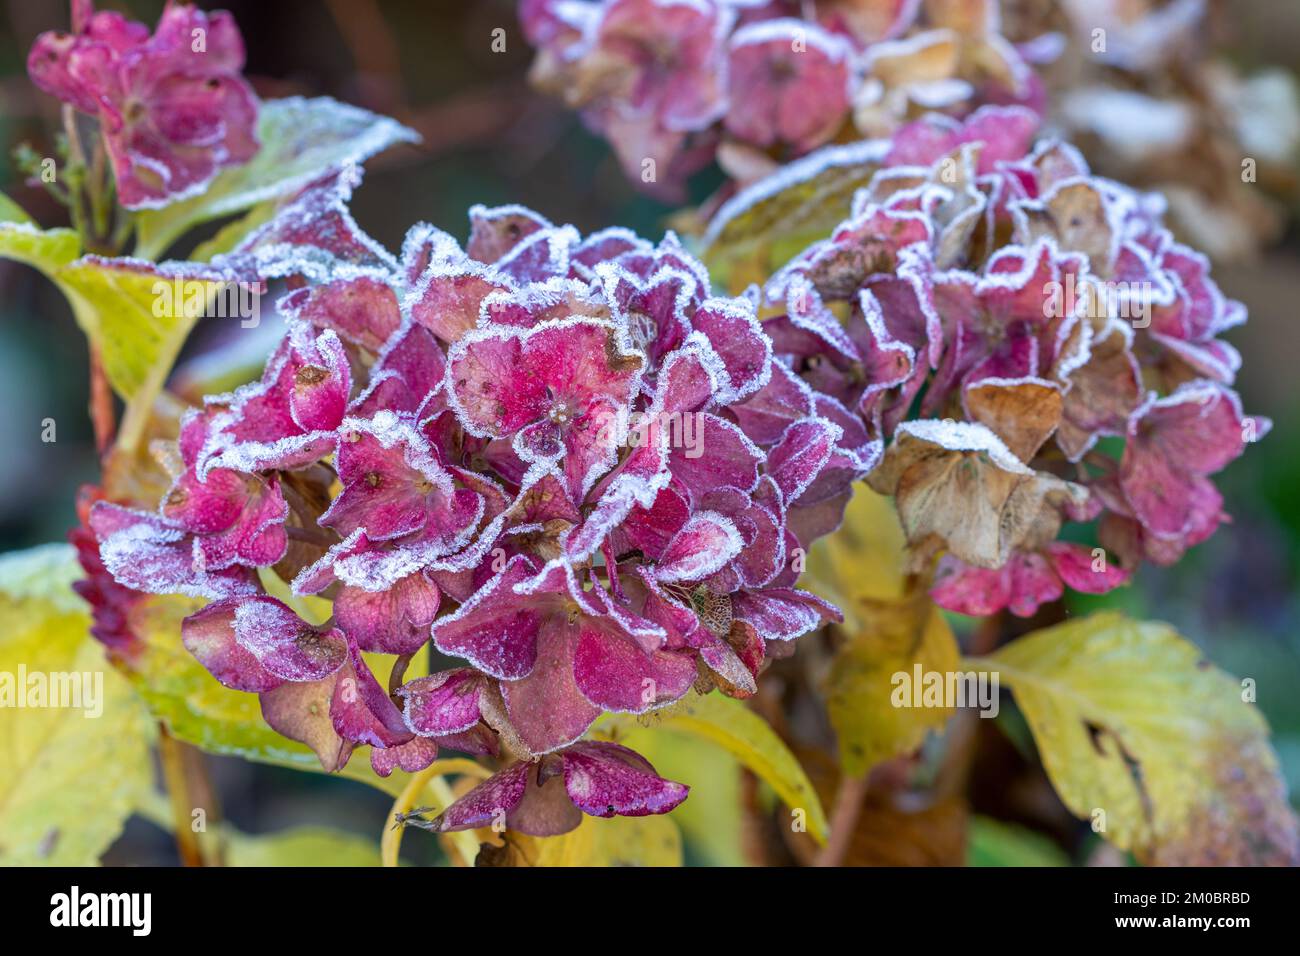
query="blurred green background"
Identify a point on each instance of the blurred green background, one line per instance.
(489, 139)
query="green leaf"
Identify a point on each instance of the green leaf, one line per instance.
(45, 249)
(1144, 737)
(780, 214)
(744, 734)
(994, 843)
(68, 780)
(301, 139)
(10, 211)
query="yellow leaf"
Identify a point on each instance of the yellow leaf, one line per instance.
(861, 568)
(300, 846)
(801, 202)
(863, 560)
(895, 637)
(69, 776)
(142, 316)
(617, 841)
(1143, 736)
(737, 729)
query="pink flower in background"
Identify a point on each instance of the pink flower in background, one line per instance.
(173, 107)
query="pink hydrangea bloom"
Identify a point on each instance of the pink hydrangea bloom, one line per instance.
(562, 460)
(759, 83)
(172, 105)
(1060, 348)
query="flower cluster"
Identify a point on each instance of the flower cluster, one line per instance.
(560, 459)
(172, 107)
(758, 82)
(1036, 348)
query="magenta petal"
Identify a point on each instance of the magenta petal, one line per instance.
(257, 538)
(721, 456)
(361, 710)
(487, 803)
(496, 630)
(615, 674)
(442, 703)
(1080, 568)
(547, 708)
(737, 337)
(395, 621)
(412, 756)
(209, 635)
(284, 643)
(782, 614)
(783, 400)
(144, 553)
(606, 780)
(495, 232)
(301, 712)
(703, 545)
(1174, 442)
(320, 392)
(789, 83)
(1033, 583)
(363, 310)
(801, 454)
(970, 590)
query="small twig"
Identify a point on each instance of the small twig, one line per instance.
(102, 417)
(173, 765)
(849, 798)
(390, 843)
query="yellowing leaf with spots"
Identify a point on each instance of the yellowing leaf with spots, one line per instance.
(70, 774)
(1142, 735)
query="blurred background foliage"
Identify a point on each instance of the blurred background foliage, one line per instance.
(488, 138)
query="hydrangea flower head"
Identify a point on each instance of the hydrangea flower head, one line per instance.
(1041, 356)
(172, 106)
(561, 460)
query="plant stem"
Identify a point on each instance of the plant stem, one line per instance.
(101, 403)
(391, 840)
(844, 821)
(173, 765)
